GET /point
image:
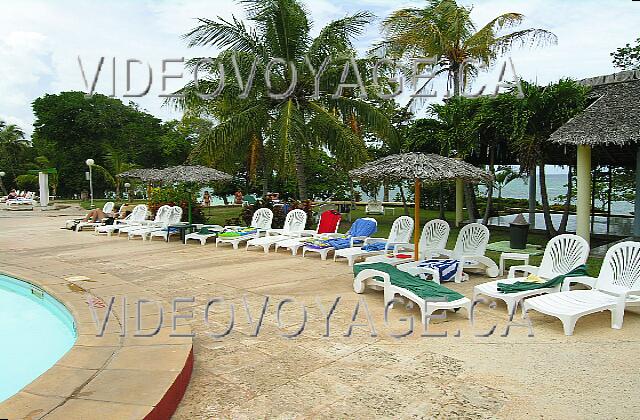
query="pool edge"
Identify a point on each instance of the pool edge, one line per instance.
(42, 397)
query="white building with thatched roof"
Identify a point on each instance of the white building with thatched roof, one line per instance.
(610, 125)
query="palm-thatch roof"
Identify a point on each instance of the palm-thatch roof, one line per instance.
(423, 166)
(147, 175)
(612, 119)
(195, 174)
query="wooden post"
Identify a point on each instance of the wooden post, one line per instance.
(583, 208)
(416, 221)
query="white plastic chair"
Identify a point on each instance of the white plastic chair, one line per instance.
(261, 220)
(293, 227)
(165, 232)
(433, 240)
(470, 250)
(617, 286)
(294, 244)
(106, 209)
(324, 252)
(400, 233)
(163, 214)
(374, 207)
(136, 218)
(562, 254)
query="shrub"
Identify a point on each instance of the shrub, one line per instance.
(176, 197)
(279, 212)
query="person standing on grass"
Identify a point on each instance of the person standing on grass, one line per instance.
(238, 197)
(206, 199)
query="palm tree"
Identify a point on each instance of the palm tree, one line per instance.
(12, 138)
(280, 130)
(545, 109)
(444, 30)
(504, 177)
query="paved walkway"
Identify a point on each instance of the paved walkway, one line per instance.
(593, 373)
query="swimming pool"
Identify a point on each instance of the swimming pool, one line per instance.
(36, 330)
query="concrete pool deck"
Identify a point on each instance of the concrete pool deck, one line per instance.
(592, 373)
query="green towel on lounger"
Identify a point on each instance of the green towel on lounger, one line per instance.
(523, 286)
(425, 289)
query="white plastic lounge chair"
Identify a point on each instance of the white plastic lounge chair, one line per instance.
(562, 254)
(400, 233)
(617, 286)
(202, 237)
(261, 220)
(374, 207)
(165, 232)
(107, 209)
(352, 241)
(296, 243)
(160, 221)
(470, 251)
(135, 218)
(379, 280)
(433, 243)
(293, 226)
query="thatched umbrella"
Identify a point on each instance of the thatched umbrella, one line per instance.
(419, 167)
(146, 175)
(181, 174)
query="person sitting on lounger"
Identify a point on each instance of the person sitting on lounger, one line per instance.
(12, 195)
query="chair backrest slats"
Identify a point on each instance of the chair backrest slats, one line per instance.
(435, 235)
(262, 218)
(472, 240)
(295, 221)
(620, 270)
(401, 230)
(562, 254)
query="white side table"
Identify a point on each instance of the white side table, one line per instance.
(512, 256)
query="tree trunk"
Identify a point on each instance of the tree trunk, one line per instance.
(551, 231)
(4, 190)
(385, 191)
(472, 206)
(404, 201)
(441, 214)
(492, 170)
(456, 79)
(567, 205)
(300, 176)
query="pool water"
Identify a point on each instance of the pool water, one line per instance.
(36, 330)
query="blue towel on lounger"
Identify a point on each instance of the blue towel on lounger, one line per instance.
(359, 228)
(376, 246)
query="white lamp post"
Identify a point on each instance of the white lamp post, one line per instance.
(90, 163)
(126, 187)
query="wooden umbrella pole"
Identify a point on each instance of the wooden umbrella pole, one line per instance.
(416, 217)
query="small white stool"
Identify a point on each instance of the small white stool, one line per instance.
(512, 256)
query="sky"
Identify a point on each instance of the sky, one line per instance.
(41, 40)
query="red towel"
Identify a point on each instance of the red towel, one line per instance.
(329, 221)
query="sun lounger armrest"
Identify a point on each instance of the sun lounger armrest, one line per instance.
(527, 269)
(586, 280)
(354, 239)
